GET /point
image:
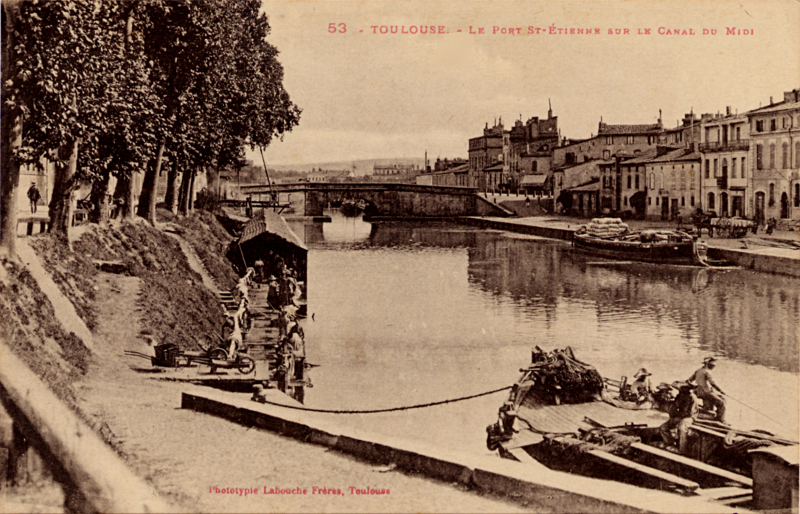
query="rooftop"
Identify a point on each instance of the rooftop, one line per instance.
(607, 130)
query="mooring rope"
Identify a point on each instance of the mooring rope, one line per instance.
(393, 409)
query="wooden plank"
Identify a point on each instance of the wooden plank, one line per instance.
(695, 464)
(746, 433)
(646, 470)
(523, 456)
(737, 501)
(721, 493)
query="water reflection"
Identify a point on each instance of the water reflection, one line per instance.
(409, 313)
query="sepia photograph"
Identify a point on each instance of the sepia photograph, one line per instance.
(400, 256)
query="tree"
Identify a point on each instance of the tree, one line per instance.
(69, 83)
(213, 78)
(11, 120)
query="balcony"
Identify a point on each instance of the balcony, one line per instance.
(725, 146)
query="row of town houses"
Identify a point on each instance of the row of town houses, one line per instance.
(745, 165)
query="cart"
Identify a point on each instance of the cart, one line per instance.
(731, 227)
(170, 356)
(215, 356)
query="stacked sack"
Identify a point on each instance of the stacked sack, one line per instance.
(607, 227)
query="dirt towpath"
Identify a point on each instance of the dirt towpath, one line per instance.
(184, 454)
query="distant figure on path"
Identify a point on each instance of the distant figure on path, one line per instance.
(34, 196)
(705, 388)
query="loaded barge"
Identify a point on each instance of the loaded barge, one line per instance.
(609, 238)
(562, 413)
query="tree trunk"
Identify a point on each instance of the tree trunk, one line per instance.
(147, 200)
(212, 176)
(186, 185)
(11, 121)
(171, 198)
(190, 200)
(63, 199)
(100, 203)
(124, 185)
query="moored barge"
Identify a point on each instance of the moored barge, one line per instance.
(563, 414)
(609, 238)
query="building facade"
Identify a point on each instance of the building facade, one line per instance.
(673, 184)
(484, 151)
(775, 160)
(623, 184)
(725, 175)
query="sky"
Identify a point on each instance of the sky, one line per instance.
(368, 95)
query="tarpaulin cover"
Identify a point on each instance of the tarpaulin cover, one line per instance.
(265, 221)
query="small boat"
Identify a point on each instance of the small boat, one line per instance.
(608, 237)
(563, 414)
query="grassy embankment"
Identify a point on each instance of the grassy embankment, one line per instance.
(174, 305)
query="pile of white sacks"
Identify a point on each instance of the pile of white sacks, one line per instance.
(606, 227)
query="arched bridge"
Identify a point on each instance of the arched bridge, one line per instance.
(390, 200)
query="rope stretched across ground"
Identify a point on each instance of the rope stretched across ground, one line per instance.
(393, 409)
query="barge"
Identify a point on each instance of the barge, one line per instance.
(563, 414)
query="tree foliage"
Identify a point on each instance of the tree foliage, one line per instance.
(126, 85)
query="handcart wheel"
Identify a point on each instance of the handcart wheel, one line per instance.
(218, 354)
(246, 365)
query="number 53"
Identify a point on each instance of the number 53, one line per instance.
(332, 28)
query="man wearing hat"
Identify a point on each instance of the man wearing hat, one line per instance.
(640, 388)
(681, 416)
(705, 388)
(34, 196)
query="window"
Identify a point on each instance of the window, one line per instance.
(760, 126)
(738, 133)
(683, 201)
(650, 201)
(629, 181)
(744, 169)
(785, 155)
(625, 201)
(771, 194)
(797, 155)
(652, 181)
(656, 200)
(692, 201)
(609, 140)
(772, 156)
(637, 182)
(733, 167)
(708, 169)
(716, 172)
(691, 178)
(710, 201)
(784, 122)
(533, 166)
(724, 167)
(797, 195)
(630, 140)
(683, 180)
(759, 157)
(773, 125)
(606, 154)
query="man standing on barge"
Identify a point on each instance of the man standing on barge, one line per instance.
(705, 388)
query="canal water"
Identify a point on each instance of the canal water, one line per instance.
(405, 314)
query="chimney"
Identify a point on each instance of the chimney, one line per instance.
(770, 100)
(728, 110)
